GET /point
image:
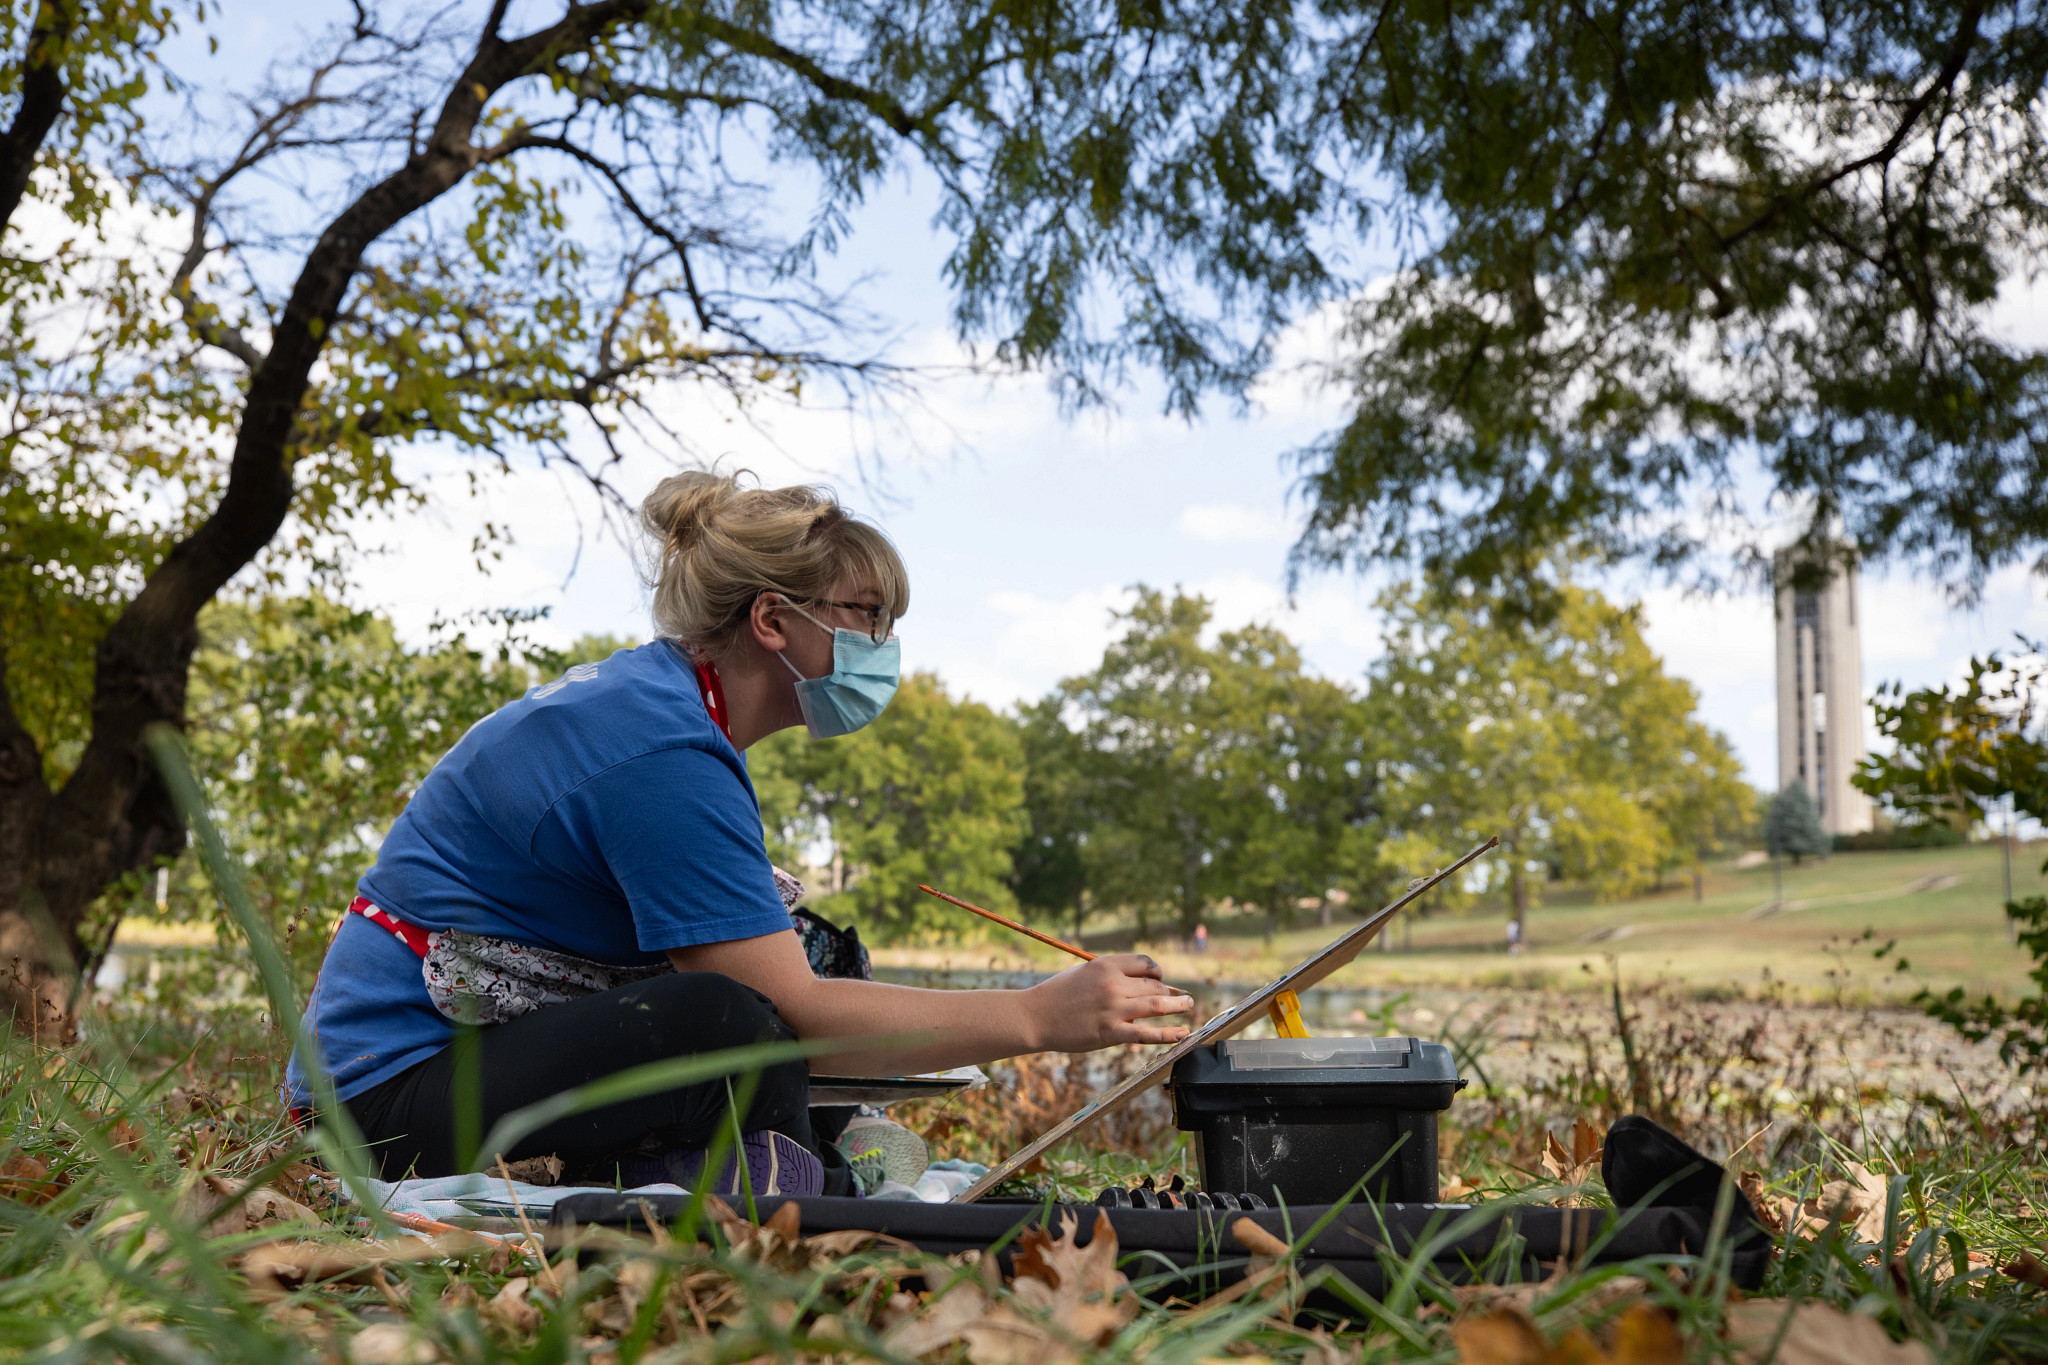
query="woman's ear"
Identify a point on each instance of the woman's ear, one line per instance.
(764, 619)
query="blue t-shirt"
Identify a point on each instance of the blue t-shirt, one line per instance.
(603, 815)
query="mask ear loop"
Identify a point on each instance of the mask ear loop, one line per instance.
(808, 617)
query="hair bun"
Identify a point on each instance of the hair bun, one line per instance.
(684, 507)
(718, 546)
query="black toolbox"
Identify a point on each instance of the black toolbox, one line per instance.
(1303, 1120)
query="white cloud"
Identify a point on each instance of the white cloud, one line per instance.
(1233, 524)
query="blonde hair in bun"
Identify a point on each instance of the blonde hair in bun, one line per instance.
(718, 546)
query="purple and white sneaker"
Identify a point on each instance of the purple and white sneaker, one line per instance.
(776, 1164)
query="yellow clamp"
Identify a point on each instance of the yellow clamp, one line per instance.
(1285, 1008)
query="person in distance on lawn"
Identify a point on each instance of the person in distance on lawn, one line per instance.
(583, 877)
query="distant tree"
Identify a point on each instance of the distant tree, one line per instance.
(1215, 773)
(1956, 752)
(1709, 807)
(1148, 720)
(312, 726)
(1793, 829)
(1562, 735)
(1049, 866)
(932, 791)
(1295, 770)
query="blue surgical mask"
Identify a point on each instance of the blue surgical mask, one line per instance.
(864, 677)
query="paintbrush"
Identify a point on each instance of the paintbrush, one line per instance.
(1047, 939)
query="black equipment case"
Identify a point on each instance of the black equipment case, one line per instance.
(1303, 1120)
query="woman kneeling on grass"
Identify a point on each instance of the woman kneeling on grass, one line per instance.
(583, 875)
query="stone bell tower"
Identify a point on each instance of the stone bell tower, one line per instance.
(1820, 693)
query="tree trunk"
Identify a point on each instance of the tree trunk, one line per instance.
(62, 849)
(40, 87)
(1518, 880)
(1699, 882)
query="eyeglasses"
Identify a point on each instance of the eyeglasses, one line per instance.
(879, 619)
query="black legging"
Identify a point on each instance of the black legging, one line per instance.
(409, 1120)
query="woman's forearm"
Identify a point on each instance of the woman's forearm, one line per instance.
(1110, 1000)
(914, 1030)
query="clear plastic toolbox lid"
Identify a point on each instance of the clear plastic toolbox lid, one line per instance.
(1317, 1054)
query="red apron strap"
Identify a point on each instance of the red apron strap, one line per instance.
(411, 935)
(714, 694)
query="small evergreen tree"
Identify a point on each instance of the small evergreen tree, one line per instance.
(1793, 827)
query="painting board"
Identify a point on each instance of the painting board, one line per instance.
(1228, 1024)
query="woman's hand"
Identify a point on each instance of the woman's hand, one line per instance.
(1103, 1002)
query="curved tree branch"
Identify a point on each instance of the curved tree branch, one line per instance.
(42, 99)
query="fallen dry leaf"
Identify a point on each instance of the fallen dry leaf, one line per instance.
(124, 1136)
(1079, 1288)
(1859, 1200)
(787, 1220)
(534, 1170)
(224, 1207)
(2027, 1268)
(1577, 1164)
(1767, 1206)
(948, 1314)
(1456, 1188)
(27, 1179)
(1481, 1298)
(390, 1343)
(1502, 1337)
(1815, 1334)
(510, 1309)
(1257, 1240)
(1644, 1335)
(1064, 1300)
(277, 1268)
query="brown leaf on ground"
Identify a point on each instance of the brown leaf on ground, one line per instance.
(787, 1220)
(1257, 1240)
(1079, 1288)
(946, 1320)
(536, 1170)
(1064, 1300)
(1503, 1337)
(1578, 1163)
(2027, 1268)
(1814, 1334)
(510, 1309)
(1859, 1200)
(1644, 1335)
(1586, 1143)
(277, 1268)
(27, 1179)
(1456, 1188)
(1481, 1298)
(776, 1243)
(225, 1207)
(1766, 1204)
(390, 1343)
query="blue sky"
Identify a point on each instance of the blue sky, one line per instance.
(1022, 529)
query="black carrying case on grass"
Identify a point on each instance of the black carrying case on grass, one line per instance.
(1667, 1190)
(1305, 1119)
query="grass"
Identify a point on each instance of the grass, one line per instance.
(155, 1207)
(116, 1150)
(1944, 906)
(105, 1253)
